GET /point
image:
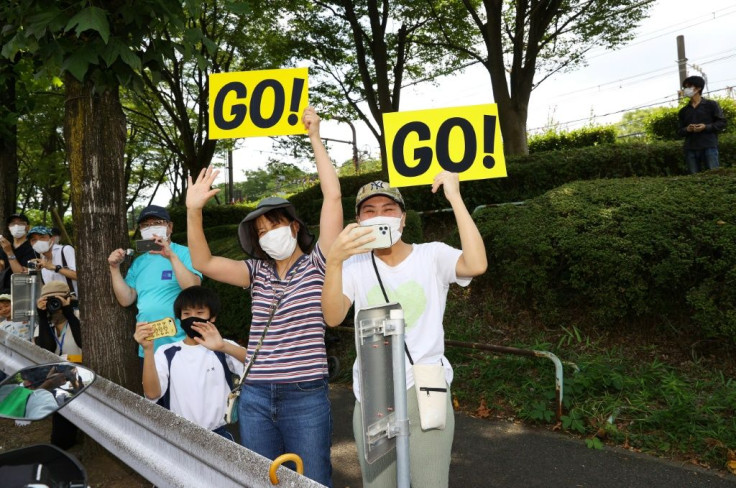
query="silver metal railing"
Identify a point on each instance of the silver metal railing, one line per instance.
(164, 448)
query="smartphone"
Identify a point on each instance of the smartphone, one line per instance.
(382, 233)
(162, 328)
(146, 245)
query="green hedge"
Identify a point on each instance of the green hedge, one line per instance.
(560, 141)
(645, 251)
(528, 177)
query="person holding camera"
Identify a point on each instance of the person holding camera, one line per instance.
(16, 252)
(157, 276)
(59, 332)
(56, 263)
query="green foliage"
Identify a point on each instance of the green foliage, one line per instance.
(615, 251)
(214, 216)
(557, 141)
(663, 123)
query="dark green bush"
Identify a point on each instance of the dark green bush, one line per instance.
(560, 141)
(615, 252)
(662, 124)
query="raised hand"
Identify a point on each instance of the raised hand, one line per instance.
(450, 183)
(211, 338)
(199, 192)
(311, 121)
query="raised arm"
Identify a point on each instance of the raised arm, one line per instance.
(335, 304)
(151, 384)
(125, 295)
(218, 268)
(330, 220)
(473, 261)
(184, 276)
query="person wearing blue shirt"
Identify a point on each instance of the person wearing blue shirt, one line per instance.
(155, 278)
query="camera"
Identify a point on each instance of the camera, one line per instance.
(53, 304)
(31, 265)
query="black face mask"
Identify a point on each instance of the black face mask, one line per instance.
(186, 325)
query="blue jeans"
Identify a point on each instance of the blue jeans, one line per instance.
(281, 418)
(700, 159)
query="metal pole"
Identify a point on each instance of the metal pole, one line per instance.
(403, 471)
(681, 59)
(230, 176)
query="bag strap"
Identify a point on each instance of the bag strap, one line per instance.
(63, 263)
(274, 306)
(385, 297)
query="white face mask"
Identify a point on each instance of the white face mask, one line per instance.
(17, 231)
(394, 223)
(278, 243)
(148, 233)
(689, 91)
(42, 246)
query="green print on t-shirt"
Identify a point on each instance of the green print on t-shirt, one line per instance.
(411, 297)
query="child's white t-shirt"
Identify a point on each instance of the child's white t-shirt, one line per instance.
(198, 390)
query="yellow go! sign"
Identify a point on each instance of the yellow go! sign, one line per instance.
(464, 140)
(257, 103)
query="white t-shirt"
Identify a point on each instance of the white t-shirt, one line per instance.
(420, 284)
(198, 390)
(71, 262)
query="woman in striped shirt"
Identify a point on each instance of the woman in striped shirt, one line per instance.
(284, 406)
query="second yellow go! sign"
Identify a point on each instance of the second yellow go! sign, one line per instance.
(464, 140)
(257, 103)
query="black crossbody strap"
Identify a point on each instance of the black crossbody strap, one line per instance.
(385, 297)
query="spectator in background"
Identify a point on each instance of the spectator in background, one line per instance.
(7, 323)
(59, 332)
(155, 278)
(56, 263)
(16, 254)
(700, 122)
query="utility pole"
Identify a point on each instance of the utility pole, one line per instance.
(681, 59)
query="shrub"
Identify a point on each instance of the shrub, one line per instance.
(644, 250)
(560, 141)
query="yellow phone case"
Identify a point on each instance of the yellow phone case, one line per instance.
(162, 328)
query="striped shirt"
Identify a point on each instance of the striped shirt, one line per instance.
(294, 347)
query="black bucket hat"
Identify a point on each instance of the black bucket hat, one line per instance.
(304, 237)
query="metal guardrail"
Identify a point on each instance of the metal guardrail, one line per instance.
(164, 448)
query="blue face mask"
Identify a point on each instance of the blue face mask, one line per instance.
(186, 325)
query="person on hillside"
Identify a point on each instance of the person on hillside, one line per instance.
(155, 278)
(195, 374)
(56, 263)
(417, 276)
(700, 122)
(15, 254)
(284, 406)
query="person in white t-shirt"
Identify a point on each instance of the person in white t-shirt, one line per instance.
(418, 277)
(56, 262)
(192, 375)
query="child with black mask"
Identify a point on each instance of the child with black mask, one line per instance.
(192, 376)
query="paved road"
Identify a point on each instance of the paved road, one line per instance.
(498, 454)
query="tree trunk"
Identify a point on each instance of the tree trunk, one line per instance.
(95, 132)
(8, 144)
(513, 127)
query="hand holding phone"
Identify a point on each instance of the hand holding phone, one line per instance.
(381, 232)
(145, 245)
(162, 328)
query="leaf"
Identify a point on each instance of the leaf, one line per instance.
(90, 18)
(76, 65)
(482, 411)
(130, 58)
(731, 466)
